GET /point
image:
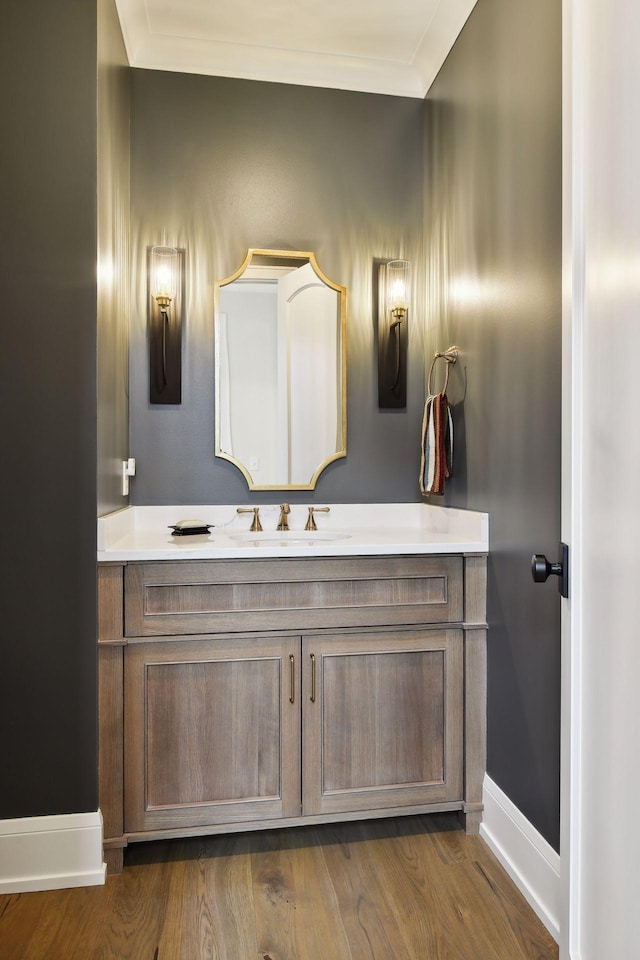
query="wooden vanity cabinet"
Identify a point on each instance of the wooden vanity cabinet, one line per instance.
(245, 694)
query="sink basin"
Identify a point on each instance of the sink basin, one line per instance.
(293, 538)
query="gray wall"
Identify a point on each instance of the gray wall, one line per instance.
(493, 227)
(113, 257)
(48, 408)
(221, 165)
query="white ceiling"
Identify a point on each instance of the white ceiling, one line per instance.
(374, 46)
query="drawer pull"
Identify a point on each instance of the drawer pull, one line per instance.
(313, 677)
(292, 684)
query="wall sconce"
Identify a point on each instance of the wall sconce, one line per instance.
(165, 296)
(393, 308)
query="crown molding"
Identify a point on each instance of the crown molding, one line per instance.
(184, 55)
(443, 31)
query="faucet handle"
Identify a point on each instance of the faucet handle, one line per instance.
(283, 523)
(311, 523)
(256, 526)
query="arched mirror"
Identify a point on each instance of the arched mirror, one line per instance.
(280, 365)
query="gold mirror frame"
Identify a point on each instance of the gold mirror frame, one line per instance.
(300, 258)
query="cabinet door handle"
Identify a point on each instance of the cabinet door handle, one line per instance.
(292, 683)
(313, 677)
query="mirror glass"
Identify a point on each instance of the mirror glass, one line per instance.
(280, 370)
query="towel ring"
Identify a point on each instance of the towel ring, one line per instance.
(450, 356)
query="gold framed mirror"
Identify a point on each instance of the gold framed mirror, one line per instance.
(280, 369)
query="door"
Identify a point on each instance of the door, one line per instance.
(212, 732)
(382, 720)
(601, 713)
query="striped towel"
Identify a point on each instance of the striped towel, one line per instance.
(437, 444)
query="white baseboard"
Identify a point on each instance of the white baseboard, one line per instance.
(50, 853)
(532, 864)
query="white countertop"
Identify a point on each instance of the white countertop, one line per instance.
(369, 529)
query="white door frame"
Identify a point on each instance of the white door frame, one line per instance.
(600, 773)
(572, 311)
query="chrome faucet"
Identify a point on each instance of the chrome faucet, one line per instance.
(283, 522)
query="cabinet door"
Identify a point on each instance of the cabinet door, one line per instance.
(212, 732)
(382, 720)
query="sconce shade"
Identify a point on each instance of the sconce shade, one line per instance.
(398, 281)
(163, 274)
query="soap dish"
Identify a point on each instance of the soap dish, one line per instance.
(190, 528)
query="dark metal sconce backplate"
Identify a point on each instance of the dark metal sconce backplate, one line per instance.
(165, 342)
(392, 350)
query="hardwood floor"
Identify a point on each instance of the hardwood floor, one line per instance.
(403, 889)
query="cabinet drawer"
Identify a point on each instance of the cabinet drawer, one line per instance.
(213, 596)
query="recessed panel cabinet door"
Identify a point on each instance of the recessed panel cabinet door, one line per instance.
(212, 732)
(382, 720)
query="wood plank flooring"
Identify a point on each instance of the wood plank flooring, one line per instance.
(415, 887)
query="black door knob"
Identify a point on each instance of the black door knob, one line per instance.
(541, 569)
